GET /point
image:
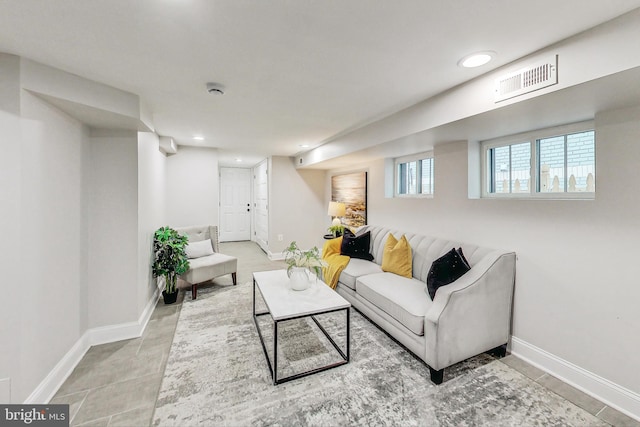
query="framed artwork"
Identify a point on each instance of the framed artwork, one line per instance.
(351, 189)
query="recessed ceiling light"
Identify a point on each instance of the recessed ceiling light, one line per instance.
(304, 145)
(476, 59)
(239, 160)
(199, 138)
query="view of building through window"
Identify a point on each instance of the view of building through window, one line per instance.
(415, 177)
(407, 182)
(562, 164)
(511, 167)
(567, 163)
(427, 176)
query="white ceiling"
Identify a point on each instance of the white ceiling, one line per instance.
(571, 105)
(295, 72)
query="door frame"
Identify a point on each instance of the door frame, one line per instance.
(254, 236)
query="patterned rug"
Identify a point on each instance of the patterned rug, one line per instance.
(217, 375)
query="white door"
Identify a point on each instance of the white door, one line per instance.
(261, 205)
(235, 204)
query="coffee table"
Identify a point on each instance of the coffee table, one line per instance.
(285, 304)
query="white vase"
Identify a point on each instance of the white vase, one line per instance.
(299, 278)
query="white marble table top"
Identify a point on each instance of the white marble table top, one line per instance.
(284, 303)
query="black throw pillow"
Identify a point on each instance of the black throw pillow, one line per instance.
(446, 269)
(356, 246)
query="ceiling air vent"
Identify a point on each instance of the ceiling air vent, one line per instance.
(528, 79)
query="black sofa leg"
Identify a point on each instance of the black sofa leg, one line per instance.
(499, 351)
(436, 376)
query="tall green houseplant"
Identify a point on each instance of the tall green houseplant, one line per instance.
(170, 256)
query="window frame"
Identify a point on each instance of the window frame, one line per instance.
(408, 159)
(532, 138)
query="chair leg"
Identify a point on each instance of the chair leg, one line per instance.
(233, 277)
(194, 291)
(499, 352)
(436, 376)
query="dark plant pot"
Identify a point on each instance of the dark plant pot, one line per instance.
(170, 298)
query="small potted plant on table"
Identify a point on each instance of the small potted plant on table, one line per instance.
(336, 230)
(170, 260)
(300, 262)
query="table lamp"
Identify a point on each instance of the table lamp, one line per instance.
(336, 210)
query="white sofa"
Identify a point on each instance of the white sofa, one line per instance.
(467, 317)
(207, 267)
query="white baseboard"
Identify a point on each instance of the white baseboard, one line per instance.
(277, 256)
(123, 331)
(48, 387)
(52, 382)
(610, 393)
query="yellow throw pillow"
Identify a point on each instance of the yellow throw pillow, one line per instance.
(397, 256)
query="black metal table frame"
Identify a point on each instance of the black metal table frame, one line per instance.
(274, 369)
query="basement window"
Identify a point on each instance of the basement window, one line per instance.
(414, 175)
(549, 163)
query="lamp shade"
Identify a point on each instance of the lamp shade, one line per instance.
(336, 209)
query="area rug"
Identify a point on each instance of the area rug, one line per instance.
(217, 375)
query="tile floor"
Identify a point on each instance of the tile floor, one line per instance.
(573, 395)
(117, 384)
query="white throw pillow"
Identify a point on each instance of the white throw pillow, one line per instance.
(199, 249)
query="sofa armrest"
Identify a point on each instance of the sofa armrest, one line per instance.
(473, 314)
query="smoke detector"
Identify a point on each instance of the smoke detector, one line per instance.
(215, 88)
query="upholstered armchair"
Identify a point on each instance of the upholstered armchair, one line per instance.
(205, 260)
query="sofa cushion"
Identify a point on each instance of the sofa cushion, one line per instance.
(199, 249)
(356, 268)
(204, 268)
(356, 246)
(201, 232)
(397, 256)
(446, 269)
(401, 298)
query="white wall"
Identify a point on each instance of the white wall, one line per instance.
(46, 229)
(10, 228)
(578, 62)
(78, 212)
(10, 225)
(193, 186)
(297, 205)
(113, 228)
(10, 84)
(151, 209)
(51, 81)
(576, 294)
